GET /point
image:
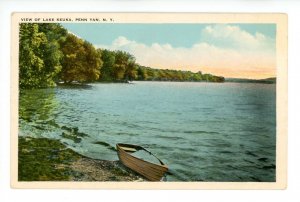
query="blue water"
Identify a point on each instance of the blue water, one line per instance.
(202, 131)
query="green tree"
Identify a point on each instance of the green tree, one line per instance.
(197, 76)
(108, 58)
(124, 66)
(119, 67)
(32, 72)
(161, 75)
(53, 56)
(142, 73)
(131, 71)
(92, 62)
(81, 60)
(40, 55)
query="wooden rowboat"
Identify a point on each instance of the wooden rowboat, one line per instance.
(151, 171)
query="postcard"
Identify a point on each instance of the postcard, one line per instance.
(149, 100)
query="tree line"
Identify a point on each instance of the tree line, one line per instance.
(49, 54)
(150, 74)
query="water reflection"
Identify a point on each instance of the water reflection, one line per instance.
(37, 111)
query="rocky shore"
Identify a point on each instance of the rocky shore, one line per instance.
(43, 159)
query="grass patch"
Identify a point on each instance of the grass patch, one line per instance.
(42, 159)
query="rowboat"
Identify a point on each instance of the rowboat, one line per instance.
(151, 171)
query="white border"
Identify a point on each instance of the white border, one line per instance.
(281, 95)
(290, 7)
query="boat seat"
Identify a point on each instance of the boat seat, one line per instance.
(129, 149)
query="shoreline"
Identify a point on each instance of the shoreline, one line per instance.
(43, 159)
(227, 80)
(87, 85)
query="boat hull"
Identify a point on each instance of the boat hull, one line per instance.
(151, 171)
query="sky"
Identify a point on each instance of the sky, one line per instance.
(229, 50)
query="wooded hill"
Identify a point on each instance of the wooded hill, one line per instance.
(49, 54)
(271, 80)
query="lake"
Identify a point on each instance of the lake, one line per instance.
(221, 132)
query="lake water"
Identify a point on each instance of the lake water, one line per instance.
(202, 131)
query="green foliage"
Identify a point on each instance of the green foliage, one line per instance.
(124, 67)
(131, 71)
(39, 54)
(49, 54)
(150, 74)
(31, 53)
(81, 60)
(117, 66)
(44, 159)
(108, 58)
(53, 56)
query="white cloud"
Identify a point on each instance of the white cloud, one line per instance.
(223, 50)
(121, 41)
(233, 37)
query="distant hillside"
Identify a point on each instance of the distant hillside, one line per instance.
(266, 81)
(151, 74)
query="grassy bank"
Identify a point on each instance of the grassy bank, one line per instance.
(42, 159)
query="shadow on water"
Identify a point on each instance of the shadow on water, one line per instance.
(106, 145)
(37, 105)
(73, 134)
(75, 86)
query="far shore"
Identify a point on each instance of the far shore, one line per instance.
(87, 85)
(227, 80)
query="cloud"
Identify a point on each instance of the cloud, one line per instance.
(229, 36)
(222, 50)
